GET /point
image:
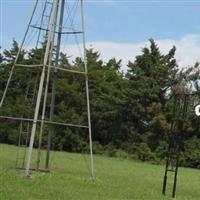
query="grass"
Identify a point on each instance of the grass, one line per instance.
(116, 179)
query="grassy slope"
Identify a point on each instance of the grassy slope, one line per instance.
(116, 179)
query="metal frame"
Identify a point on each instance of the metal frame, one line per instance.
(45, 121)
(180, 116)
(66, 32)
(44, 81)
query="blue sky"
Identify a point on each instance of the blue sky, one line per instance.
(118, 22)
(135, 22)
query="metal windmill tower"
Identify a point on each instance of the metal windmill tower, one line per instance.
(52, 26)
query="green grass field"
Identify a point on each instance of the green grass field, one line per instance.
(116, 179)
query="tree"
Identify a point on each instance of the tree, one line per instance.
(150, 77)
(131, 113)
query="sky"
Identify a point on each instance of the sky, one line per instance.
(121, 28)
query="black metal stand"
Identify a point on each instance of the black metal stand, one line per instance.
(175, 144)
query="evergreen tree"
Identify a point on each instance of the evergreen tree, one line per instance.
(130, 113)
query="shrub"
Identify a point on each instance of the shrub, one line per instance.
(97, 148)
(121, 154)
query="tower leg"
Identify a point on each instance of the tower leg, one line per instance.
(87, 93)
(45, 95)
(53, 85)
(175, 177)
(47, 51)
(165, 178)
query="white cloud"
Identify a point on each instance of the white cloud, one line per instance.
(188, 49)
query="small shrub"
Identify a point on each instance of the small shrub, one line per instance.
(97, 148)
(144, 152)
(110, 150)
(121, 154)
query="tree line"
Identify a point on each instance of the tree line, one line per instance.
(131, 111)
